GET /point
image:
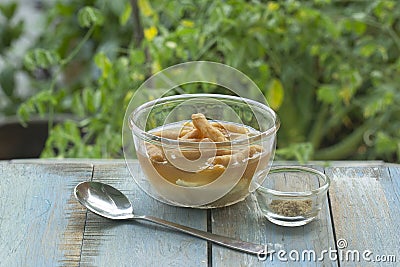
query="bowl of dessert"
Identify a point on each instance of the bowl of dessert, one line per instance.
(202, 150)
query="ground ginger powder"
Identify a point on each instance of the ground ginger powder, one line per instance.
(291, 208)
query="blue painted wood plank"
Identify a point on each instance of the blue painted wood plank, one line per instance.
(137, 244)
(366, 224)
(392, 189)
(40, 225)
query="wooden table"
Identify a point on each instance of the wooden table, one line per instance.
(41, 224)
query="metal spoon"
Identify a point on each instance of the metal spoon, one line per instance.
(106, 201)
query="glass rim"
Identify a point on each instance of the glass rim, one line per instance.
(300, 169)
(146, 136)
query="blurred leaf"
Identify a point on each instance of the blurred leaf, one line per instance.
(97, 100)
(380, 103)
(7, 80)
(302, 152)
(103, 63)
(88, 101)
(17, 30)
(41, 58)
(368, 49)
(356, 26)
(272, 6)
(386, 144)
(187, 23)
(371, 47)
(145, 8)
(382, 8)
(155, 67)
(351, 81)
(72, 131)
(9, 33)
(346, 93)
(137, 56)
(38, 103)
(78, 106)
(275, 94)
(90, 16)
(328, 93)
(23, 114)
(126, 14)
(8, 9)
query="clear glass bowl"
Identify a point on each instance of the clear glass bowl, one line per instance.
(292, 195)
(231, 185)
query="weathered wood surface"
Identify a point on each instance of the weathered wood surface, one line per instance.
(135, 244)
(366, 214)
(41, 224)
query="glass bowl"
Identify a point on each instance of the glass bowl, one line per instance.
(292, 195)
(182, 174)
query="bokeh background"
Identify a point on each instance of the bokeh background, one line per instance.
(329, 68)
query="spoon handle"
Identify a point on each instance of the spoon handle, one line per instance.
(218, 239)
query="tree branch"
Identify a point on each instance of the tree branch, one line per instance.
(138, 33)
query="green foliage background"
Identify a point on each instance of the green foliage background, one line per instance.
(10, 30)
(331, 69)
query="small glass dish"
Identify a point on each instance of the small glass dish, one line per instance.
(292, 195)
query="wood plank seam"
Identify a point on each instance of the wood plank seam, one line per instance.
(209, 244)
(85, 224)
(332, 223)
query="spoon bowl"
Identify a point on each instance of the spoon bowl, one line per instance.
(108, 202)
(104, 200)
